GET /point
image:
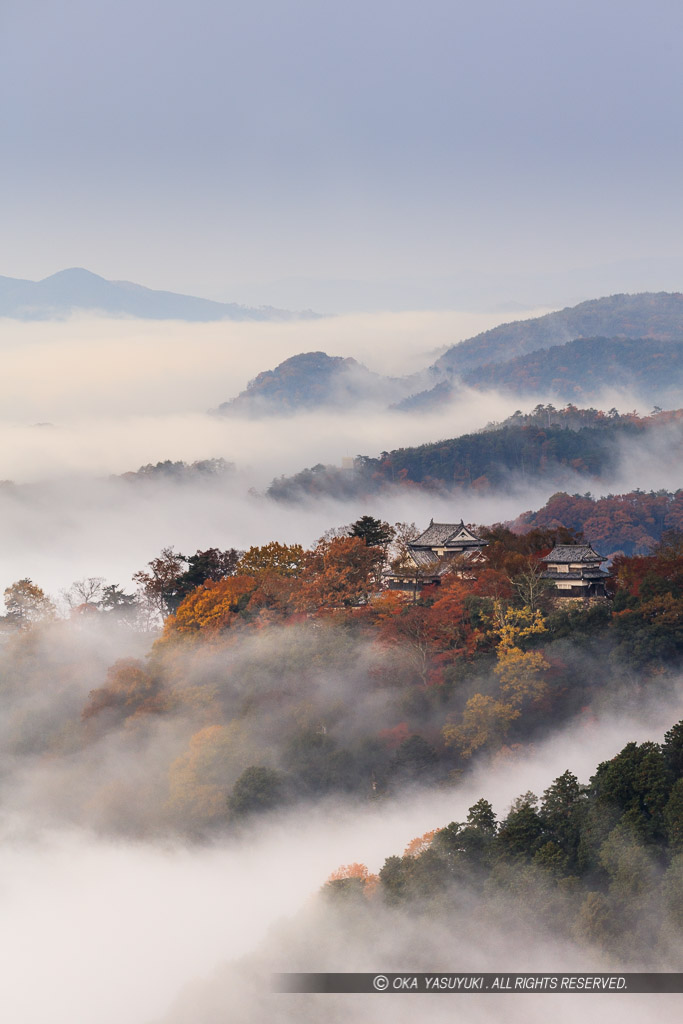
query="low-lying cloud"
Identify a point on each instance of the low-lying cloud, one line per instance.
(89, 365)
(75, 523)
(116, 930)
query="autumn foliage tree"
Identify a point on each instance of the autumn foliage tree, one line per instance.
(211, 608)
(351, 880)
(338, 573)
(521, 672)
(129, 690)
(27, 604)
(281, 559)
(486, 719)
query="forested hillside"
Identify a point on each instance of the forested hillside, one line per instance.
(539, 448)
(597, 863)
(308, 381)
(657, 315)
(284, 674)
(632, 523)
(580, 370)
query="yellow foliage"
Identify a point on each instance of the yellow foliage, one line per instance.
(199, 780)
(520, 673)
(517, 624)
(282, 559)
(484, 721)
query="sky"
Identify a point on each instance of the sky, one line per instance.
(374, 154)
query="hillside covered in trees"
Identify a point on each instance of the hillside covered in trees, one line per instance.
(580, 370)
(549, 444)
(283, 675)
(632, 343)
(309, 381)
(657, 315)
(597, 863)
(631, 523)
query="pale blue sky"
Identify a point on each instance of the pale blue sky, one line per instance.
(224, 148)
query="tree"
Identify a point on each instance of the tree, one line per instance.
(159, 586)
(404, 534)
(485, 721)
(559, 811)
(469, 845)
(522, 833)
(633, 788)
(117, 605)
(411, 629)
(351, 881)
(373, 532)
(394, 879)
(282, 559)
(672, 749)
(257, 789)
(338, 573)
(673, 817)
(210, 564)
(129, 690)
(26, 604)
(199, 780)
(211, 608)
(482, 816)
(530, 585)
(87, 591)
(521, 672)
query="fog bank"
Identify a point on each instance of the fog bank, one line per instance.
(102, 366)
(115, 930)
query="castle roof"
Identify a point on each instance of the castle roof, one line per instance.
(439, 535)
(572, 553)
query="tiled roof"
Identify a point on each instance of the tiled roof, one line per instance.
(423, 558)
(566, 553)
(440, 534)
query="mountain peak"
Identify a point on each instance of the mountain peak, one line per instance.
(76, 289)
(73, 275)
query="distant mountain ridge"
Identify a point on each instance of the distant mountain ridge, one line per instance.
(76, 290)
(646, 315)
(577, 371)
(580, 369)
(630, 343)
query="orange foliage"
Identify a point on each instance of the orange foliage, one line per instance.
(211, 607)
(129, 689)
(390, 603)
(338, 573)
(631, 522)
(418, 845)
(349, 871)
(357, 871)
